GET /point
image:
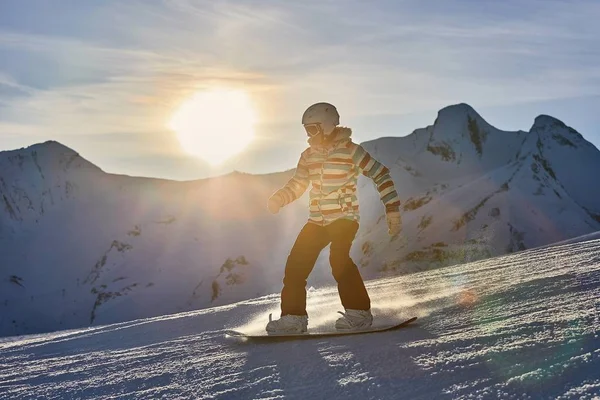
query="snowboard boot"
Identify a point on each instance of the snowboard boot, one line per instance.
(354, 320)
(287, 325)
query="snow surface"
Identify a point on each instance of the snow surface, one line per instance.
(525, 325)
(80, 247)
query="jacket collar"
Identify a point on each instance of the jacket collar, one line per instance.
(339, 135)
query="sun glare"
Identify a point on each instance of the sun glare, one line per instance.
(215, 124)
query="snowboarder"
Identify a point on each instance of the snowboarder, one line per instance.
(331, 164)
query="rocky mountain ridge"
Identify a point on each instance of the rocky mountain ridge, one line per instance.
(80, 246)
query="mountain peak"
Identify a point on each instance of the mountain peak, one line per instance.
(49, 147)
(52, 146)
(460, 109)
(546, 121)
(457, 115)
(52, 155)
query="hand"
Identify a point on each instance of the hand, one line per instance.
(274, 204)
(394, 221)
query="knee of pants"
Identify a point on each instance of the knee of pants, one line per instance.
(341, 266)
(294, 280)
(294, 277)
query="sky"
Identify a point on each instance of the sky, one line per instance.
(105, 77)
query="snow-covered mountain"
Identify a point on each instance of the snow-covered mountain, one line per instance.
(79, 246)
(519, 326)
(472, 191)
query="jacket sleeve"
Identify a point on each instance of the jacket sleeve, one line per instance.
(373, 169)
(296, 186)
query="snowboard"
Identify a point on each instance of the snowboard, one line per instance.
(264, 337)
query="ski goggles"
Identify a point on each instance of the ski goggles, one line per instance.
(313, 129)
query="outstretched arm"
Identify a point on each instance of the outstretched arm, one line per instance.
(372, 168)
(294, 188)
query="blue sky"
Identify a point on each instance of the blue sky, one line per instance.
(103, 77)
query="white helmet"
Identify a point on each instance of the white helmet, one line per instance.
(320, 118)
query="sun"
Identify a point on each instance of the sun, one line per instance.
(215, 124)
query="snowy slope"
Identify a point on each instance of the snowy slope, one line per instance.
(525, 325)
(81, 247)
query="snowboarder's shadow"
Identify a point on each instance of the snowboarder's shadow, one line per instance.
(342, 367)
(297, 367)
(390, 362)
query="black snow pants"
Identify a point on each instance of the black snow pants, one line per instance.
(303, 256)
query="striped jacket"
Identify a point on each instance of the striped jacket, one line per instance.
(333, 171)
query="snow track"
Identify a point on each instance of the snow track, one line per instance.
(525, 325)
